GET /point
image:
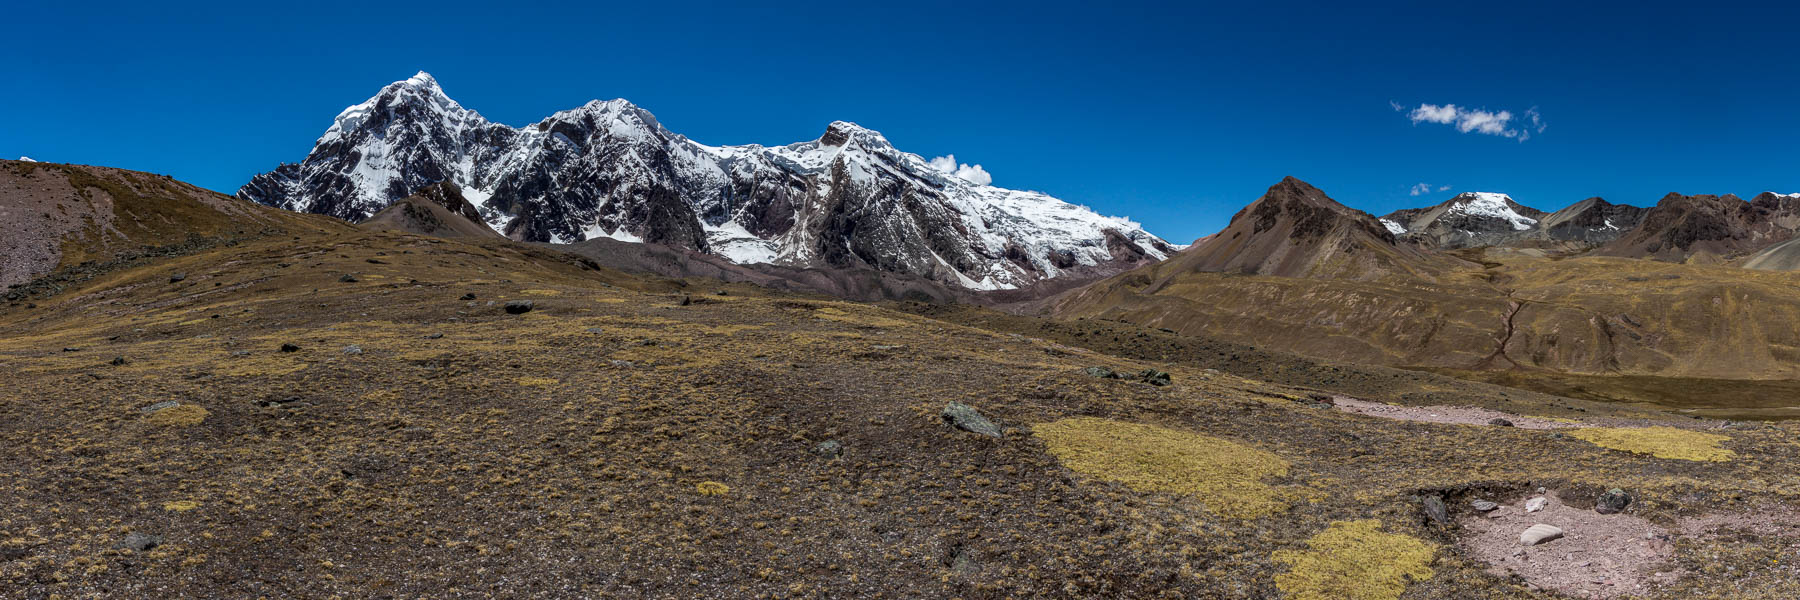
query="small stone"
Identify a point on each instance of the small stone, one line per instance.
(1435, 509)
(176, 278)
(1483, 505)
(289, 348)
(241, 352)
(828, 449)
(1101, 372)
(1538, 534)
(622, 363)
(1498, 422)
(71, 349)
(159, 406)
(353, 349)
(719, 293)
(964, 417)
(434, 336)
(1154, 377)
(684, 301)
(518, 307)
(119, 361)
(1536, 504)
(348, 278)
(468, 296)
(1613, 501)
(139, 542)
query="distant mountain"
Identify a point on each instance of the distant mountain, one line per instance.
(1295, 230)
(1707, 227)
(1475, 219)
(609, 169)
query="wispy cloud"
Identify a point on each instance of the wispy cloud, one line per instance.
(1473, 120)
(1419, 189)
(1443, 188)
(970, 173)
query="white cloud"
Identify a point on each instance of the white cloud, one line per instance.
(970, 173)
(1443, 188)
(1420, 189)
(1470, 120)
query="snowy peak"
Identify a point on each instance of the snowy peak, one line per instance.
(1496, 206)
(610, 169)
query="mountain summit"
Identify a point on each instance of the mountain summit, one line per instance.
(610, 169)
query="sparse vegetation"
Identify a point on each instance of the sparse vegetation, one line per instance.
(1660, 442)
(1354, 560)
(1228, 477)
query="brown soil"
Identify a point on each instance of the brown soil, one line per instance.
(1461, 415)
(1598, 556)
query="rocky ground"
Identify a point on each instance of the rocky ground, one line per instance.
(351, 414)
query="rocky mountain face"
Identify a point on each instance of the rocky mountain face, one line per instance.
(609, 169)
(1474, 219)
(1707, 227)
(1295, 230)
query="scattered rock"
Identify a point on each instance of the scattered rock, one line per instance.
(247, 352)
(434, 336)
(1499, 422)
(964, 417)
(828, 449)
(1536, 504)
(353, 349)
(1154, 377)
(719, 293)
(1483, 505)
(140, 542)
(71, 349)
(684, 301)
(159, 406)
(1435, 509)
(348, 278)
(375, 261)
(1613, 501)
(1539, 533)
(176, 278)
(518, 307)
(622, 363)
(1101, 372)
(119, 361)
(468, 296)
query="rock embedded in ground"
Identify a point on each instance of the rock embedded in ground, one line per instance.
(468, 296)
(1499, 422)
(518, 307)
(1101, 372)
(1154, 377)
(118, 361)
(1613, 501)
(1483, 505)
(434, 336)
(160, 405)
(828, 449)
(965, 417)
(289, 348)
(1536, 504)
(1435, 509)
(353, 349)
(1539, 533)
(176, 278)
(348, 278)
(140, 542)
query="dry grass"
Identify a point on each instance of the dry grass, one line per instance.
(178, 416)
(1660, 442)
(1354, 560)
(1227, 476)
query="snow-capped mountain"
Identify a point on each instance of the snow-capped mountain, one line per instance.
(1490, 219)
(609, 169)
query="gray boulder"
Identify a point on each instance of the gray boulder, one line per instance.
(964, 417)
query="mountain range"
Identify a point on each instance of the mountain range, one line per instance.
(611, 170)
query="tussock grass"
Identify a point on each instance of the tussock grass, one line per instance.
(179, 416)
(1660, 442)
(1225, 475)
(1354, 560)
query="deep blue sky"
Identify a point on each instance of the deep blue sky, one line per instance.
(1176, 114)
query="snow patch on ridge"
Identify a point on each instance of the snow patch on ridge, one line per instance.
(1392, 227)
(1488, 204)
(26, 159)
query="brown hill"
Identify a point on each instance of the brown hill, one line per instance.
(1704, 228)
(57, 216)
(1295, 230)
(438, 209)
(1504, 311)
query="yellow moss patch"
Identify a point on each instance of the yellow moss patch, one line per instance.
(538, 381)
(1660, 442)
(541, 292)
(181, 505)
(1226, 475)
(181, 416)
(711, 488)
(1353, 560)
